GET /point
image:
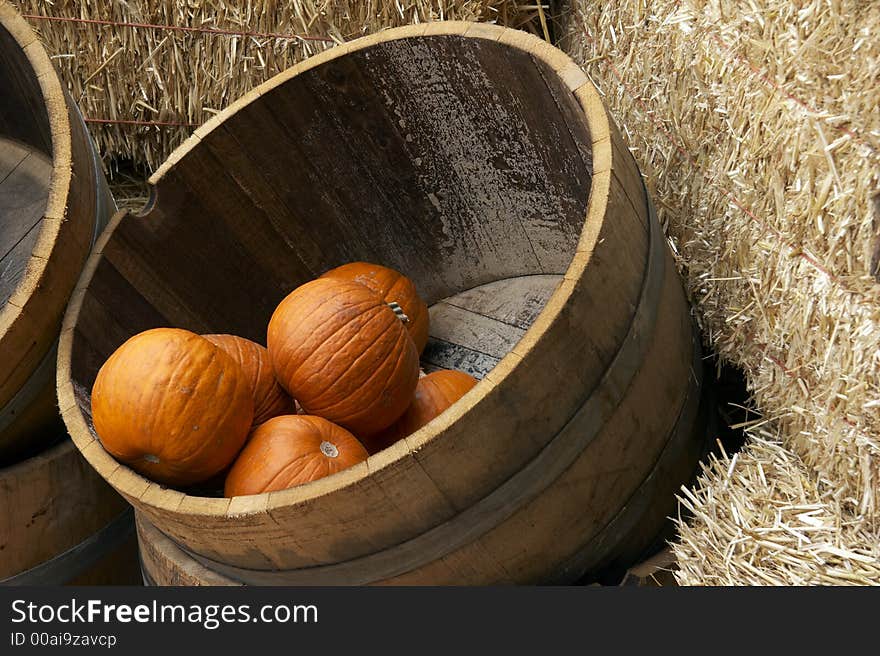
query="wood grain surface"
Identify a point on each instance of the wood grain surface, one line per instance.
(477, 160)
(49, 203)
(52, 503)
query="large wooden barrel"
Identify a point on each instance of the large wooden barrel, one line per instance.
(53, 200)
(481, 162)
(62, 524)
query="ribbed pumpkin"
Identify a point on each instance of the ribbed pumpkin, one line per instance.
(270, 400)
(342, 352)
(435, 392)
(394, 287)
(172, 406)
(291, 450)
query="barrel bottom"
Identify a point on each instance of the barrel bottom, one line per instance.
(473, 330)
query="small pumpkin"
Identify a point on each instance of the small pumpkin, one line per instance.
(435, 392)
(270, 399)
(172, 406)
(291, 450)
(394, 287)
(342, 352)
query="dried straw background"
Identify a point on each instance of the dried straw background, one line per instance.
(756, 124)
(143, 74)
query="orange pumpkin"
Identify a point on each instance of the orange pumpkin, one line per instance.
(172, 406)
(341, 351)
(270, 400)
(394, 287)
(291, 450)
(435, 392)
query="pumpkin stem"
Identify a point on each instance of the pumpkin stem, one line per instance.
(398, 311)
(329, 449)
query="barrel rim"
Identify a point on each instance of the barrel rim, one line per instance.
(142, 491)
(19, 308)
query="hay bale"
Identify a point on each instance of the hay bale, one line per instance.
(755, 124)
(760, 519)
(178, 78)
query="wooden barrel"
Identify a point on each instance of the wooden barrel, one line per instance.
(165, 563)
(62, 524)
(481, 162)
(53, 201)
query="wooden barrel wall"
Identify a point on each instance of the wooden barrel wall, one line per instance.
(164, 563)
(53, 202)
(62, 524)
(479, 161)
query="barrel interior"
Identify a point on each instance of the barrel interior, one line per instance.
(25, 162)
(464, 163)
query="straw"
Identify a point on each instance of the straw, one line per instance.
(756, 125)
(147, 72)
(760, 519)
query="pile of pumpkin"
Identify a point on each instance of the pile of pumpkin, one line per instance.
(338, 380)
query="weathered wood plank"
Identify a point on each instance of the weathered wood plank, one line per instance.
(440, 354)
(473, 330)
(23, 115)
(24, 192)
(11, 155)
(51, 503)
(14, 263)
(514, 301)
